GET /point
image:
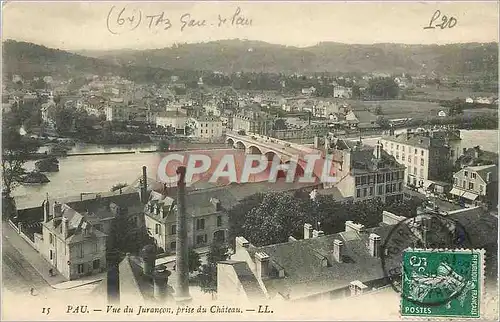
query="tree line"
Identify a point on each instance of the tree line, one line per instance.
(270, 218)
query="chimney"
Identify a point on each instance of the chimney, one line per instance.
(318, 233)
(182, 270)
(262, 265)
(241, 243)
(64, 227)
(57, 209)
(46, 211)
(161, 275)
(308, 231)
(351, 226)
(374, 245)
(144, 185)
(338, 249)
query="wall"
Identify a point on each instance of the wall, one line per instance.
(89, 255)
(229, 288)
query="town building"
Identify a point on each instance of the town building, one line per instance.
(176, 120)
(474, 185)
(476, 156)
(342, 92)
(206, 216)
(319, 267)
(427, 154)
(206, 127)
(364, 172)
(74, 233)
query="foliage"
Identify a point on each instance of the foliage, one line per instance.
(272, 217)
(194, 260)
(383, 87)
(378, 110)
(208, 276)
(125, 237)
(16, 150)
(406, 207)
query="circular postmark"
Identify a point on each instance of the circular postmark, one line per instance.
(433, 232)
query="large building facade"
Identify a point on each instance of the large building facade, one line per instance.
(426, 154)
(364, 172)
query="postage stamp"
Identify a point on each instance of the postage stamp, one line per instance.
(442, 283)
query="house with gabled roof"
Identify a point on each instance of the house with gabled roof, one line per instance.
(333, 266)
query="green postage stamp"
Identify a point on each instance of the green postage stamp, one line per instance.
(442, 283)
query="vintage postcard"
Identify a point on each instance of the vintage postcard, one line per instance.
(254, 160)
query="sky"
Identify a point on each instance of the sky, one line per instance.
(133, 25)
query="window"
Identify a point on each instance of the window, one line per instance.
(358, 193)
(404, 148)
(98, 227)
(409, 159)
(80, 268)
(364, 192)
(421, 173)
(50, 254)
(387, 188)
(51, 239)
(473, 175)
(380, 178)
(416, 151)
(466, 173)
(397, 155)
(421, 162)
(173, 229)
(94, 247)
(157, 229)
(455, 181)
(201, 239)
(400, 186)
(200, 224)
(219, 221)
(358, 181)
(387, 177)
(403, 157)
(414, 171)
(381, 189)
(173, 245)
(397, 147)
(371, 191)
(79, 250)
(463, 184)
(96, 264)
(135, 221)
(481, 188)
(471, 185)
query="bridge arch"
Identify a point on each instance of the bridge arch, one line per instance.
(254, 150)
(230, 142)
(239, 145)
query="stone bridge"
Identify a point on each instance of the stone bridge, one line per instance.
(253, 143)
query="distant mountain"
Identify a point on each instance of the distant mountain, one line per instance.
(255, 56)
(30, 60)
(241, 55)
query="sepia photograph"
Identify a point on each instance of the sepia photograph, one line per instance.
(249, 160)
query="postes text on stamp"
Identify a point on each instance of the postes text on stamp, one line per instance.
(442, 283)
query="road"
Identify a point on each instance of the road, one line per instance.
(17, 273)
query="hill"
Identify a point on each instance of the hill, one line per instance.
(254, 56)
(241, 55)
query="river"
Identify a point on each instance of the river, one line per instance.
(97, 173)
